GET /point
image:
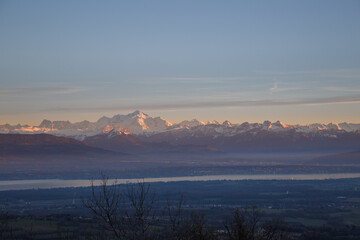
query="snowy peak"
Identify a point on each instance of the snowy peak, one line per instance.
(139, 123)
(349, 127)
(320, 126)
(333, 126)
(138, 114)
(136, 122)
(102, 120)
(189, 124)
(107, 129)
(266, 125)
(214, 122)
(156, 124)
(110, 131)
(226, 123)
(45, 124)
(282, 125)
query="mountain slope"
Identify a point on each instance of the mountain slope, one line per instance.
(348, 158)
(120, 142)
(43, 145)
(261, 140)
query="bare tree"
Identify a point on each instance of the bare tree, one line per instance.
(195, 228)
(106, 204)
(176, 220)
(132, 213)
(245, 224)
(6, 231)
(141, 215)
(236, 228)
(274, 229)
(126, 214)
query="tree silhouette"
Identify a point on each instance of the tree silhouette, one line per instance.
(132, 213)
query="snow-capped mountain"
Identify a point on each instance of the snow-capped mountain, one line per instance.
(134, 123)
(139, 123)
(188, 124)
(264, 137)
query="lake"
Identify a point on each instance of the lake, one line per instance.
(61, 183)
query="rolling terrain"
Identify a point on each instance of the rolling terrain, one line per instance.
(138, 145)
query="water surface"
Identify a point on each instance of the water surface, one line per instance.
(61, 183)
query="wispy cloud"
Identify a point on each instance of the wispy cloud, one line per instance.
(41, 90)
(343, 73)
(193, 79)
(204, 79)
(276, 88)
(213, 104)
(341, 89)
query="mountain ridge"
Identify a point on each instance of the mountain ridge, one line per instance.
(139, 123)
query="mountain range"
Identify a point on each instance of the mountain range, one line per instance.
(140, 144)
(141, 124)
(138, 132)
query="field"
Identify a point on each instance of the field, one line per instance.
(305, 206)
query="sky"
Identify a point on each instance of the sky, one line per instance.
(293, 61)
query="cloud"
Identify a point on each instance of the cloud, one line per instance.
(40, 90)
(203, 79)
(193, 80)
(216, 104)
(343, 73)
(276, 88)
(341, 89)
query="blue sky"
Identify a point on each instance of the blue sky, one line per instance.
(294, 61)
